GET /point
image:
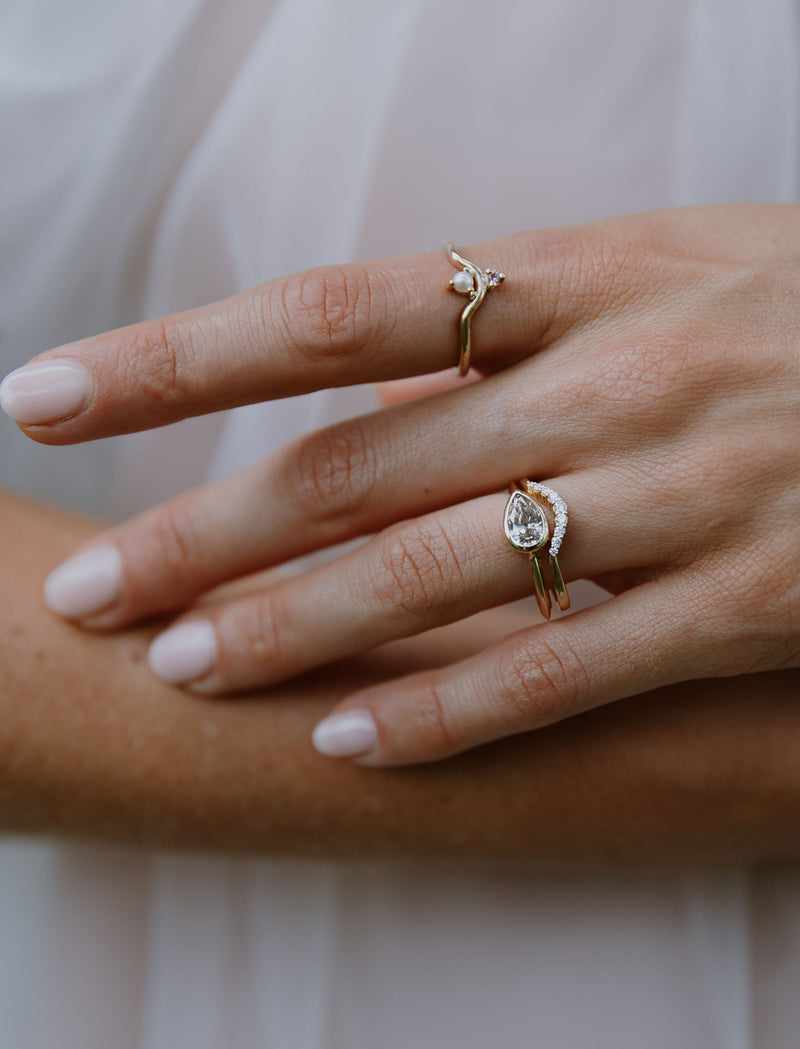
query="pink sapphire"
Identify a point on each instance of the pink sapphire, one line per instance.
(495, 278)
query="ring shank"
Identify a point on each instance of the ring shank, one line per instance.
(476, 297)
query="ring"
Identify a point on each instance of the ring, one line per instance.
(527, 528)
(475, 283)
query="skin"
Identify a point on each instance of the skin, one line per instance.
(647, 368)
(91, 745)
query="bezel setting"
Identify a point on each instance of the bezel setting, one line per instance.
(521, 503)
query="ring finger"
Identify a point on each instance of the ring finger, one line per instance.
(408, 579)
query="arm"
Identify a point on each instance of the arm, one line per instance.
(91, 745)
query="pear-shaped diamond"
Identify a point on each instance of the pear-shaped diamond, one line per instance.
(525, 525)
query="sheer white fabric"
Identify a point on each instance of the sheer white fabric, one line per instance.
(165, 153)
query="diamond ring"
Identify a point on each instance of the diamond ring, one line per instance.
(473, 282)
(527, 528)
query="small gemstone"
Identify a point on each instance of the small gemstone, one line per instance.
(561, 519)
(495, 277)
(559, 505)
(463, 282)
(524, 523)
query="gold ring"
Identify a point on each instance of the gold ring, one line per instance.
(473, 282)
(527, 528)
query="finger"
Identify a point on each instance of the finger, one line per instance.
(409, 579)
(402, 390)
(345, 481)
(332, 326)
(638, 641)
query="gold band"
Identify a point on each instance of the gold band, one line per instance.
(473, 282)
(528, 529)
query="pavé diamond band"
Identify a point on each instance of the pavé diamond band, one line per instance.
(473, 282)
(527, 528)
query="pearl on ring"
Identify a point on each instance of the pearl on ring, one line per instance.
(463, 282)
(474, 283)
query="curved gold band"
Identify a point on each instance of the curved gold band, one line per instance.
(473, 282)
(528, 529)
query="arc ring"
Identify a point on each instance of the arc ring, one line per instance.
(476, 283)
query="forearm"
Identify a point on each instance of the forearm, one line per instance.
(92, 745)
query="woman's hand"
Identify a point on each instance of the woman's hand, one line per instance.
(91, 745)
(646, 368)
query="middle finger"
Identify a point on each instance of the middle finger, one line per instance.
(344, 481)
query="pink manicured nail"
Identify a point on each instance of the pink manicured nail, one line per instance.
(184, 652)
(86, 582)
(45, 391)
(347, 735)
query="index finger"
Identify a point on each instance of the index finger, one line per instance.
(325, 327)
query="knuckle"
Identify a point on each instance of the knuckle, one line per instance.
(601, 263)
(541, 682)
(260, 637)
(749, 624)
(154, 361)
(638, 373)
(433, 720)
(591, 271)
(331, 473)
(415, 570)
(176, 546)
(328, 312)
(651, 377)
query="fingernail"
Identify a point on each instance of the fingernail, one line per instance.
(346, 735)
(184, 652)
(86, 583)
(45, 391)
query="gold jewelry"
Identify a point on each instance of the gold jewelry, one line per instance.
(475, 283)
(527, 528)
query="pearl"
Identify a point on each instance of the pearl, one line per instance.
(463, 281)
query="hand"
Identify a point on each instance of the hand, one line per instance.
(646, 368)
(91, 745)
